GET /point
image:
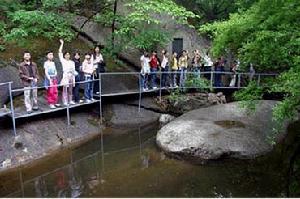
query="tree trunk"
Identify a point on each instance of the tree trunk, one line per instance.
(113, 25)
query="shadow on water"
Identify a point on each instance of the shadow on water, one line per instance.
(127, 163)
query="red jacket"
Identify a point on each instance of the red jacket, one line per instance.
(154, 62)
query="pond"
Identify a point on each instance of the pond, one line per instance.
(127, 163)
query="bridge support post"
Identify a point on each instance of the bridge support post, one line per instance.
(12, 109)
(239, 80)
(160, 85)
(140, 91)
(258, 80)
(211, 79)
(100, 98)
(68, 115)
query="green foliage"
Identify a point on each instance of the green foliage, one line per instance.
(139, 24)
(150, 39)
(249, 96)
(267, 35)
(37, 23)
(193, 81)
(176, 96)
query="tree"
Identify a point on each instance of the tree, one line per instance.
(267, 35)
(138, 24)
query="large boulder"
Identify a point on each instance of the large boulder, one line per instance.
(8, 74)
(219, 131)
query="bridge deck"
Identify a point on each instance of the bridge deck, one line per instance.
(20, 111)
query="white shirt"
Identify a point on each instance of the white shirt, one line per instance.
(164, 62)
(145, 64)
(208, 61)
(67, 65)
(97, 59)
(50, 69)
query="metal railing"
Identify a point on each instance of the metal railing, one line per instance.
(213, 79)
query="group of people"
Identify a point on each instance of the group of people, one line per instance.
(174, 68)
(74, 71)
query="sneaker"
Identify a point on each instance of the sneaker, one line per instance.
(57, 105)
(93, 100)
(154, 87)
(81, 101)
(72, 103)
(35, 108)
(52, 106)
(29, 112)
(88, 101)
(66, 104)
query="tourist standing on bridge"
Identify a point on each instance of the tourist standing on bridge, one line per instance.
(183, 65)
(88, 69)
(145, 70)
(174, 68)
(51, 81)
(219, 68)
(69, 73)
(78, 78)
(154, 64)
(196, 63)
(208, 64)
(164, 68)
(99, 64)
(29, 76)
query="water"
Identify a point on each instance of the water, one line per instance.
(129, 164)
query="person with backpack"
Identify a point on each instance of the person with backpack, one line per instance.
(29, 76)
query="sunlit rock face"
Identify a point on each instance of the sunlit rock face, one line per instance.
(219, 131)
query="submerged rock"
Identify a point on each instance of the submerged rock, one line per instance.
(128, 116)
(219, 131)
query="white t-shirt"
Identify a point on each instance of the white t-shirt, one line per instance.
(164, 62)
(145, 64)
(67, 65)
(208, 61)
(50, 69)
(97, 59)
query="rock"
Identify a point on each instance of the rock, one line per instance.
(6, 163)
(128, 116)
(7, 74)
(219, 131)
(192, 101)
(165, 118)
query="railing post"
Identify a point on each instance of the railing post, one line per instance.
(211, 79)
(68, 114)
(100, 97)
(239, 80)
(258, 80)
(160, 85)
(140, 91)
(12, 109)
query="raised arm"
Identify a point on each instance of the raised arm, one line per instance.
(60, 53)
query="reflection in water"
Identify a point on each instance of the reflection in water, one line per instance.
(81, 175)
(128, 164)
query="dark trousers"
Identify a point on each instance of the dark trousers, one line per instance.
(76, 95)
(164, 76)
(207, 69)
